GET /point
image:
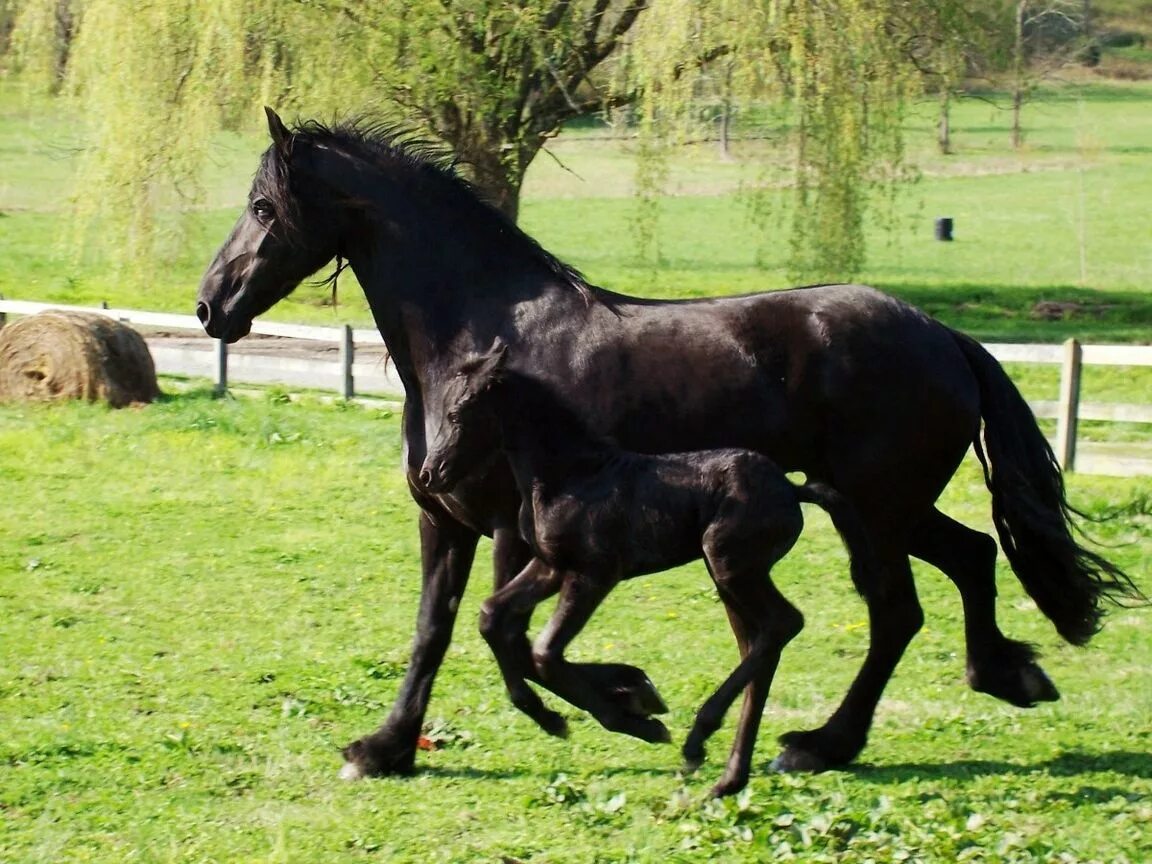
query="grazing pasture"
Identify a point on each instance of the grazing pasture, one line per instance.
(204, 598)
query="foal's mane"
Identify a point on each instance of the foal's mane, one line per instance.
(399, 150)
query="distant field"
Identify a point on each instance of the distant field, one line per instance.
(1064, 219)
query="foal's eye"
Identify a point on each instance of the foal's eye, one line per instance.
(262, 208)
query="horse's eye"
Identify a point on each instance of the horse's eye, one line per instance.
(262, 208)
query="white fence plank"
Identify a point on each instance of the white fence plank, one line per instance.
(379, 377)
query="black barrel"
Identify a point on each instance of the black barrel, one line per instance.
(944, 228)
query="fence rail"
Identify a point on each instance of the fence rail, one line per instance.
(349, 377)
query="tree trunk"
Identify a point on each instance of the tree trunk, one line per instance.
(944, 127)
(1018, 75)
(496, 165)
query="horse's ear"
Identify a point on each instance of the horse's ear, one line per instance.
(281, 137)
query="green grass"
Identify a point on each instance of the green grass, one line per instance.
(204, 599)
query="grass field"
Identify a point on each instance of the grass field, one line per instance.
(1064, 219)
(203, 599)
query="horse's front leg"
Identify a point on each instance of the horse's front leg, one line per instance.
(447, 549)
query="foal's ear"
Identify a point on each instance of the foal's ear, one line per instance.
(490, 366)
(281, 137)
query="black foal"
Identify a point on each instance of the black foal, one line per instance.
(595, 514)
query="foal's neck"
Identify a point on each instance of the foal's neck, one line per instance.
(547, 443)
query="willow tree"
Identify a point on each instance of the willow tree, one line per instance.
(492, 78)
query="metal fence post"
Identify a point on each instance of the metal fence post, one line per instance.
(1069, 406)
(347, 355)
(221, 367)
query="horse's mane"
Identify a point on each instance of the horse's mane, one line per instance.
(382, 144)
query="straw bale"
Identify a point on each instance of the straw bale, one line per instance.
(75, 355)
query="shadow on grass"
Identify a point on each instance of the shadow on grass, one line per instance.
(461, 772)
(184, 396)
(1049, 313)
(1127, 763)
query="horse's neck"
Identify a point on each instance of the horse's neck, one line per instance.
(546, 443)
(428, 323)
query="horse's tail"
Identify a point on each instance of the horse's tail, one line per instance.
(1032, 513)
(849, 525)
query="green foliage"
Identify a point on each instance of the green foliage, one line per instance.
(844, 69)
(495, 80)
(205, 598)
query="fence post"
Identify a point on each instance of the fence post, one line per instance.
(347, 355)
(1069, 408)
(221, 367)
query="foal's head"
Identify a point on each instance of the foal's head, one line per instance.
(460, 422)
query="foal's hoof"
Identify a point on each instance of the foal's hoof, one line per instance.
(729, 786)
(650, 730)
(639, 697)
(1022, 686)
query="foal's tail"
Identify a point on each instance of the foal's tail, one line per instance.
(1032, 513)
(848, 524)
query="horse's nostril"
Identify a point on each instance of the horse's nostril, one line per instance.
(426, 476)
(204, 313)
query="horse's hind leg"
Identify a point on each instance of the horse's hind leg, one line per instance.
(764, 622)
(997, 665)
(503, 617)
(579, 598)
(894, 617)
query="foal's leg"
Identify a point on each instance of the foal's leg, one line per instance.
(764, 622)
(502, 617)
(894, 617)
(997, 665)
(627, 685)
(579, 598)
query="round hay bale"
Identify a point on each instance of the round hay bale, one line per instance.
(75, 355)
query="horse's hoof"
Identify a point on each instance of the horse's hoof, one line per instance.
(793, 760)
(351, 772)
(554, 724)
(1023, 685)
(370, 757)
(815, 750)
(1038, 685)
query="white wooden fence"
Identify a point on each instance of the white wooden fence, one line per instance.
(349, 377)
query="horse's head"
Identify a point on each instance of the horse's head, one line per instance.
(288, 231)
(461, 422)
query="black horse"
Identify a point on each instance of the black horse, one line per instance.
(594, 515)
(856, 389)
